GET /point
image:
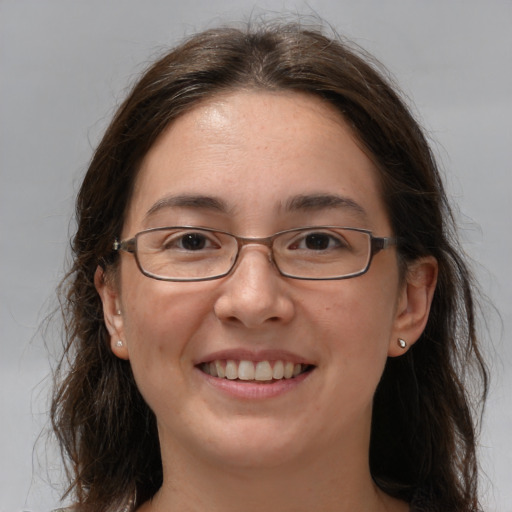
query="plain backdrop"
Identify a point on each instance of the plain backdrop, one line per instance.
(65, 64)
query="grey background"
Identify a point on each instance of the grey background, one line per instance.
(65, 64)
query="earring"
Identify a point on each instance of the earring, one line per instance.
(119, 343)
(402, 343)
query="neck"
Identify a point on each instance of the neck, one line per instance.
(319, 483)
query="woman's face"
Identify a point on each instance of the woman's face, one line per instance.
(252, 164)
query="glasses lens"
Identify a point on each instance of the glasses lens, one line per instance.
(185, 253)
(322, 253)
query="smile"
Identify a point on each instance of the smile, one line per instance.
(261, 371)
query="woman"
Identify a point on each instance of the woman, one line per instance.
(268, 309)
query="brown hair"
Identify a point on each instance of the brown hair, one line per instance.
(423, 435)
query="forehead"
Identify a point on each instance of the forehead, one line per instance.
(255, 152)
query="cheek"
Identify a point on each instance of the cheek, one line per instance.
(353, 332)
(160, 320)
(355, 309)
(160, 327)
(350, 325)
(354, 323)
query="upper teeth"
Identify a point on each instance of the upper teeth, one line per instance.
(249, 370)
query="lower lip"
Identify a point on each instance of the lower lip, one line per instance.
(251, 390)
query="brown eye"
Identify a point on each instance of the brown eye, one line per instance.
(317, 241)
(193, 242)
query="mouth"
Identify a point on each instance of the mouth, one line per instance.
(254, 371)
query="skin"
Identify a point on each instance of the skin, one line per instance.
(305, 448)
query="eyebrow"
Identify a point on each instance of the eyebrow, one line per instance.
(306, 202)
(188, 201)
(317, 202)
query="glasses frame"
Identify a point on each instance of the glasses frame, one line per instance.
(377, 244)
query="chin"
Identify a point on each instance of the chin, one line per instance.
(254, 444)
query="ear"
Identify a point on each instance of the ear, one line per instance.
(414, 303)
(112, 312)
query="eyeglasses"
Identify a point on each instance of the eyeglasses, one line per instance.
(186, 253)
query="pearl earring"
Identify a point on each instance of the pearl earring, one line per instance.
(402, 343)
(119, 343)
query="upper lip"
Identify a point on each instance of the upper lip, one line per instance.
(254, 355)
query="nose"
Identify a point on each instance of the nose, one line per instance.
(254, 294)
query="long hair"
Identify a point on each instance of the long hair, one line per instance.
(423, 431)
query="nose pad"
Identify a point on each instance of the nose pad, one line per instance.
(258, 247)
(254, 293)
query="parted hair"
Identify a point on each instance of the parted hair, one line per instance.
(423, 437)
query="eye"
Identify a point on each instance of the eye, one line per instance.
(193, 241)
(318, 241)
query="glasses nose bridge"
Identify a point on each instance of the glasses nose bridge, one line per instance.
(267, 241)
